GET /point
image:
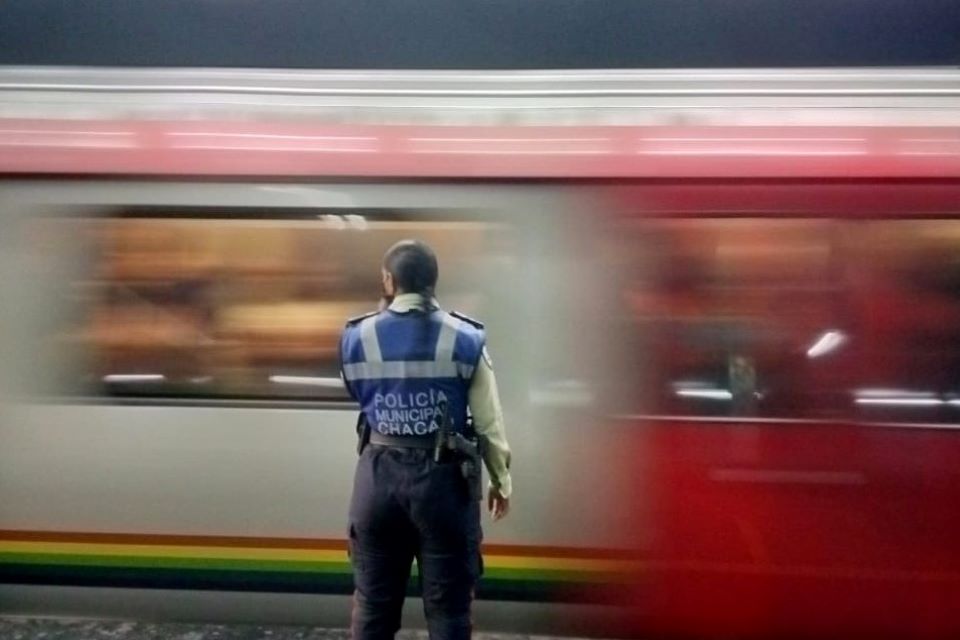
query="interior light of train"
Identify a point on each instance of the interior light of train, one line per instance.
(705, 394)
(313, 381)
(895, 397)
(906, 402)
(334, 221)
(826, 343)
(895, 393)
(134, 377)
(358, 222)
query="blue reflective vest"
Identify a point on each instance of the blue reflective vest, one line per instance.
(400, 367)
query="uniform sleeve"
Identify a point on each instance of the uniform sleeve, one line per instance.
(488, 423)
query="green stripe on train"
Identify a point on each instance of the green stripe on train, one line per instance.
(279, 566)
(166, 562)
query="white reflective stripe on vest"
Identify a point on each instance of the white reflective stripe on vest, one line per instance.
(447, 339)
(403, 369)
(368, 338)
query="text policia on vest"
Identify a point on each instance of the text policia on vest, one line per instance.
(408, 414)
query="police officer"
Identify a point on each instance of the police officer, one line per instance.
(412, 367)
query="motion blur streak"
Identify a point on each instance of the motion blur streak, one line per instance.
(826, 343)
(723, 309)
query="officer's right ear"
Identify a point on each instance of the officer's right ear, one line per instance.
(389, 290)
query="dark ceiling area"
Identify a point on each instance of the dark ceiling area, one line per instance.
(492, 34)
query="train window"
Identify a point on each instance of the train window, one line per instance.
(242, 304)
(908, 301)
(734, 317)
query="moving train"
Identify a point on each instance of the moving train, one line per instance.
(723, 308)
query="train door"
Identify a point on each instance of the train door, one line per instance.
(771, 354)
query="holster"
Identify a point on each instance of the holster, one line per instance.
(363, 433)
(465, 452)
(470, 470)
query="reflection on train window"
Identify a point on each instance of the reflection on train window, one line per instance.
(215, 305)
(736, 317)
(908, 301)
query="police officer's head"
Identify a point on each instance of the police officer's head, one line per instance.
(410, 266)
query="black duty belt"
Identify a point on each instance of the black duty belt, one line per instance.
(411, 442)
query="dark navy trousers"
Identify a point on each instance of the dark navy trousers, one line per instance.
(405, 506)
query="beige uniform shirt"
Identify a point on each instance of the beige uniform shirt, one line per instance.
(484, 402)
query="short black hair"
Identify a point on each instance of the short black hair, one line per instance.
(413, 265)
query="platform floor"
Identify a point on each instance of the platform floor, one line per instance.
(30, 628)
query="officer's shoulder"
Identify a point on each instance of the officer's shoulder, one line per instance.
(358, 319)
(467, 319)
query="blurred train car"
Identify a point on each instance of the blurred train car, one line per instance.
(723, 308)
